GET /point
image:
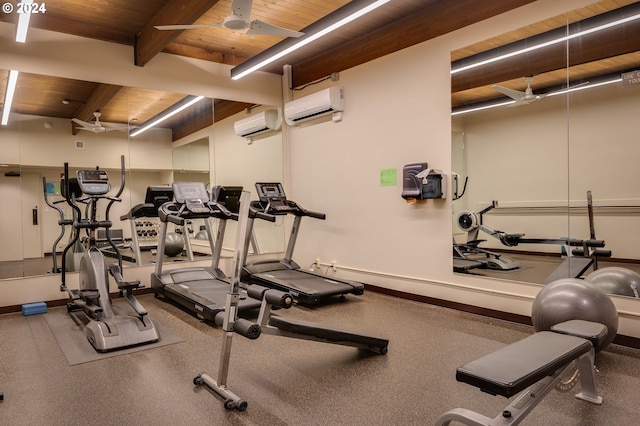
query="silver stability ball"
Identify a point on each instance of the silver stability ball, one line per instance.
(173, 244)
(571, 298)
(616, 280)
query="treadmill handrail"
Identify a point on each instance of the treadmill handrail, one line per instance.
(310, 213)
(260, 214)
(291, 208)
(177, 212)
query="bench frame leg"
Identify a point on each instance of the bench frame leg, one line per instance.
(586, 366)
(526, 400)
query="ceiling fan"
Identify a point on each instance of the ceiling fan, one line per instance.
(239, 20)
(96, 126)
(521, 98)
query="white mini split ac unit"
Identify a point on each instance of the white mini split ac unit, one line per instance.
(257, 124)
(319, 104)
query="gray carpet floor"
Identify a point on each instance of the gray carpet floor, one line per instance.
(288, 381)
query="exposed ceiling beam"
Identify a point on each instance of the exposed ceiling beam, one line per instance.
(199, 53)
(433, 20)
(223, 109)
(55, 23)
(150, 42)
(98, 99)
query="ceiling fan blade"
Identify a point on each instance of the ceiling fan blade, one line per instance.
(262, 28)
(513, 94)
(124, 127)
(184, 27)
(84, 124)
(519, 102)
(242, 8)
(88, 129)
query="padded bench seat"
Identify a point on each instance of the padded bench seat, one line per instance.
(512, 369)
(530, 368)
(594, 332)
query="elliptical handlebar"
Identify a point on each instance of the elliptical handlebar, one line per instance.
(91, 201)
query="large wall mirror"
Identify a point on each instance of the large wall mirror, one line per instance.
(197, 144)
(548, 140)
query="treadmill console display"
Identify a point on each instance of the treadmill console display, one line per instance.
(193, 195)
(270, 191)
(272, 194)
(93, 182)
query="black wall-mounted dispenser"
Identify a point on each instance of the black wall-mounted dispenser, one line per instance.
(419, 182)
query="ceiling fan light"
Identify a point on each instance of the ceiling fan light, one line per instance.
(235, 23)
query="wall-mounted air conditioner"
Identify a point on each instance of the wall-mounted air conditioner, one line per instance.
(258, 124)
(319, 104)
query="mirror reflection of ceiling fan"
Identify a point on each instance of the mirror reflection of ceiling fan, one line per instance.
(526, 97)
(96, 126)
(520, 98)
(239, 20)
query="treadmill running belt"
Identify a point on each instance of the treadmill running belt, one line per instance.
(308, 283)
(211, 294)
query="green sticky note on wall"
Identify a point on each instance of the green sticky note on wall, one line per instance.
(388, 177)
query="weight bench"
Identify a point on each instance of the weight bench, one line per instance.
(529, 369)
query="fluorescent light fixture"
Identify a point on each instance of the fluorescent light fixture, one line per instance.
(23, 21)
(170, 112)
(482, 107)
(546, 44)
(353, 11)
(8, 97)
(588, 86)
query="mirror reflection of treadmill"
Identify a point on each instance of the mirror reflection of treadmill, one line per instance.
(200, 290)
(307, 287)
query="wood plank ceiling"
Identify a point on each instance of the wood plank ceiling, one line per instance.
(396, 25)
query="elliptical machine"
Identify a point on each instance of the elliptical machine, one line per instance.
(106, 330)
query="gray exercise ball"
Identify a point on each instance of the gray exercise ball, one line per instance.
(616, 280)
(173, 244)
(571, 298)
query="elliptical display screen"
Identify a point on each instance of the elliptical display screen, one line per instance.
(93, 182)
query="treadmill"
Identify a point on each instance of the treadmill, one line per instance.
(307, 287)
(200, 290)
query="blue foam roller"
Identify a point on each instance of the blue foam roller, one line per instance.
(34, 308)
